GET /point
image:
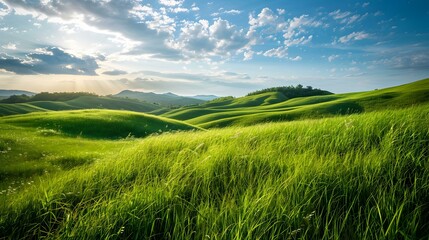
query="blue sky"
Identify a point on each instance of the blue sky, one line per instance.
(218, 47)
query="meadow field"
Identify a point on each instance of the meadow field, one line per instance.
(111, 174)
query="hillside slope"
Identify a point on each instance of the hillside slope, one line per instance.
(166, 99)
(86, 102)
(351, 177)
(111, 124)
(273, 106)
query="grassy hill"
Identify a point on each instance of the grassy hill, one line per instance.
(166, 99)
(85, 102)
(348, 177)
(97, 123)
(274, 106)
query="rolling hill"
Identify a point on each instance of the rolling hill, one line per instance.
(205, 97)
(85, 102)
(111, 124)
(274, 106)
(362, 176)
(165, 99)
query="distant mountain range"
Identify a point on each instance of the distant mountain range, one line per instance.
(166, 99)
(8, 93)
(205, 97)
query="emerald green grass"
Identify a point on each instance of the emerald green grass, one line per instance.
(27, 154)
(272, 106)
(97, 123)
(85, 102)
(353, 177)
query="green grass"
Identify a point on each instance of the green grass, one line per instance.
(272, 106)
(97, 123)
(85, 102)
(350, 177)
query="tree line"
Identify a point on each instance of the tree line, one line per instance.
(293, 91)
(46, 96)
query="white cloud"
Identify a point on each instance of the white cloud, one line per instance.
(354, 36)
(338, 14)
(297, 58)
(129, 20)
(248, 55)
(281, 11)
(4, 11)
(365, 4)
(280, 52)
(50, 60)
(232, 12)
(350, 20)
(333, 57)
(226, 12)
(267, 25)
(298, 41)
(171, 3)
(202, 40)
(296, 28)
(179, 10)
(9, 46)
(346, 17)
(264, 18)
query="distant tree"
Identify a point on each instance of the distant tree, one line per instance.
(293, 92)
(60, 96)
(46, 96)
(221, 99)
(16, 99)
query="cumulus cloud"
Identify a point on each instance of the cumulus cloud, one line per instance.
(127, 19)
(354, 36)
(171, 3)
(280, 52)
(153, 31)
(4, 10)
(221, 38)
(294, 30)
(265, 18)
(49, 60)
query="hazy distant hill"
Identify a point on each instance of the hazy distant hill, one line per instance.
(205, 97)
(165, 99)
(8, 93)
(84, 102)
